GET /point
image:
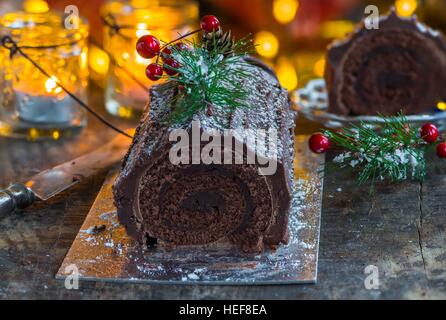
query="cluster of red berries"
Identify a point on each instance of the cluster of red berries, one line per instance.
(319, 143)
(149, 47)
(429, 133)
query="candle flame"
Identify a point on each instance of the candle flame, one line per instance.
(51, 86)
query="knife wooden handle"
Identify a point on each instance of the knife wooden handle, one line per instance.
(15, 197)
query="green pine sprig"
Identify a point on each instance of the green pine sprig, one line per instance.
(396, 152)
(209, 77)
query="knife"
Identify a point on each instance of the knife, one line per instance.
(51, 182)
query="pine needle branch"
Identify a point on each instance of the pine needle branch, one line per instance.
(209, 76)
(396, 152)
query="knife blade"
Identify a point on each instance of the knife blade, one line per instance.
(51, 182)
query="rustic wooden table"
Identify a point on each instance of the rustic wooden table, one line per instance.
(400, 230)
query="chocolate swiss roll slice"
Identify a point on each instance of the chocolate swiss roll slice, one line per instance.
(196, 201)
(398, 67)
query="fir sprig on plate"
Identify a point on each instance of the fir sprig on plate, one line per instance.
(395, 152)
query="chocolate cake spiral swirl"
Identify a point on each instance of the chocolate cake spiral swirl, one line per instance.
(398, 67)
(199, 203)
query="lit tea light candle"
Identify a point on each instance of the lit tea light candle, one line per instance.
(126, 97)
(52, 105)
(32, 104)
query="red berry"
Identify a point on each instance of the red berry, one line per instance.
(319, 143)
(441, 150)
(210, 23)
(154, 72)
(148, 46)
(173, 64)
(429, 133)
(166, 53)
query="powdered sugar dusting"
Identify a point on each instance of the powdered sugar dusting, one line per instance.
(110, 254)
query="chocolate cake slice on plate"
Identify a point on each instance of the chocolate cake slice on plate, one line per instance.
(198, 203)
(400, 66)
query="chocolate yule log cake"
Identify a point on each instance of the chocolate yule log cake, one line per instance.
(398, 67)
(198, 203)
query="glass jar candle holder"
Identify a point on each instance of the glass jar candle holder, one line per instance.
(126, 22)
(31, 104)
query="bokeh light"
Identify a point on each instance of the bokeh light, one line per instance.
(141, 30)
(125, 113)
(56, 135)
(267, 44)
(441, 106)
(285, 10)
(336, 28)
(51, 85)
(99, 60)
(33, 134)
(35, 6)
(406, 8)
(319, 68)
(286, 72)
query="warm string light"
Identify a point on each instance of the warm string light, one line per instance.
(125, 113)
(286, 73)
(142, 30)
(5, 130)
(56, 135)
(336, 28)
(267, 44)
(441, 106)
(406, 8)
(139, 59)
(319, 67)
(36, 6)
(99, 60)
(285, 11)
(33, 134)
